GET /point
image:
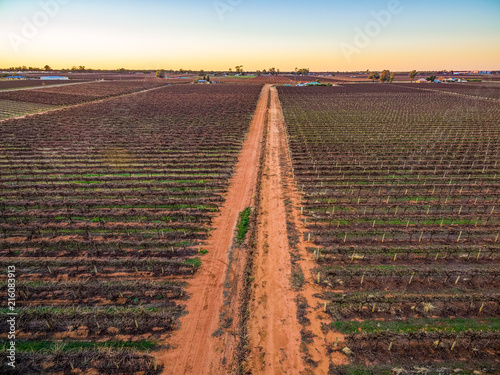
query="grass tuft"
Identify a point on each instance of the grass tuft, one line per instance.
(243, 225)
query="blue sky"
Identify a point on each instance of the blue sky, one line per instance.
(218, 34)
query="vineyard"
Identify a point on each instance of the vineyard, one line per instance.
(489, 90)
(274, 79)
(401, 204)
(17, 84)
(104, 209)
(11, 108)
(74, 94)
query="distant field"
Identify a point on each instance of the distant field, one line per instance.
(16, 84)
(484, 90)
(73, 94)
(9, 108)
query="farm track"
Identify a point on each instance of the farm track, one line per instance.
(196, 349)
(273, 328)
(276, 342)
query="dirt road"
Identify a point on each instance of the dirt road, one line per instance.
(197, 350)
(273, 326)
(276, 340)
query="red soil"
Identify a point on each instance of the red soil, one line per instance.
(273, 327)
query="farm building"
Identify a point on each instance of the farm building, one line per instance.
(453, 80)
(54, 78)
(422, 80)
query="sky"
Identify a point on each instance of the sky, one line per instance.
(335, 35)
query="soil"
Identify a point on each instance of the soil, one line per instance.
(196, 349)
(273, 327)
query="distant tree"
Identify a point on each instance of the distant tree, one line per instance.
(412, 75)
(431, 78)
(385, 75)
(374, 76)
(264, 71)
(47, 67)
(303, 71)
(258, 72)
(333, 74)
(160, 74)
(273, 71)
(239, 69)
(391, 79)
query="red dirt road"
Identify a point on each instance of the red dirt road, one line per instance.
(273, 327)
(196, 350)
(275, 339)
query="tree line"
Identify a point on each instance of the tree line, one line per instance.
(387, 76)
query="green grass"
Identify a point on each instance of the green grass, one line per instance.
(243, 225)
(196, 262)
(37, 346)
(449, 325)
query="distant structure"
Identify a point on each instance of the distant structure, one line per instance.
(452, 80)
(54, 78)
(16, 77)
